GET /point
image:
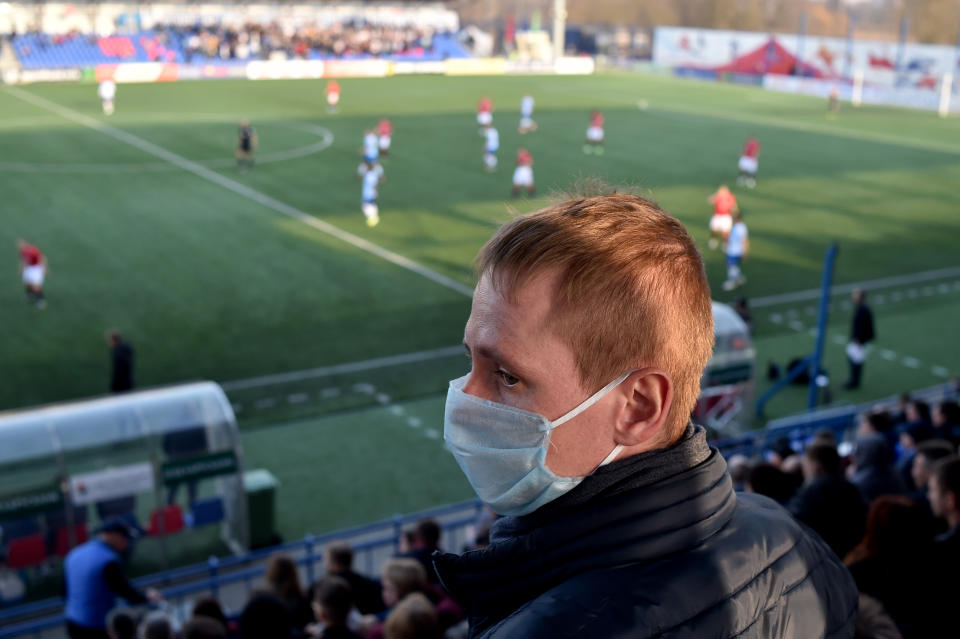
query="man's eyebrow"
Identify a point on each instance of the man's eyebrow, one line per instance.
(492, 353)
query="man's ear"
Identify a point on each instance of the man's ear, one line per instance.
(648, 396)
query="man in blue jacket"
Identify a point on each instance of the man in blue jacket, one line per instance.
(95, 578)
(590, 328)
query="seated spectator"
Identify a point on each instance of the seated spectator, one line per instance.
(825, 436)
(265, 617)
(779, 451)
(944, 486)
(338, 558)
(413, 618)
(873, 471)
(121, 624)
(878, 422)
(425, 543)
(283, 580)
(928, 454)
(403, 576)
(827, 502)
(911, 436)
(946, 421)
(156, 625)
(208, 606)
(889, 564)
(768, 480)
(332, 603)
(739, 468)
(204, 628)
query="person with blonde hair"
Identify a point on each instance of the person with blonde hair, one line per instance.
(413, 618)
(590, 328)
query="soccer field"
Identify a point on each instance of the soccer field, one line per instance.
(213, 274)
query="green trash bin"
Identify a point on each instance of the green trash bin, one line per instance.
(261, 487)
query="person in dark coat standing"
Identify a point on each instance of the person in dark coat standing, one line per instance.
(590, 328)
(121, 362)
(861, 334)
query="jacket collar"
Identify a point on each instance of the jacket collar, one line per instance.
(631, 516)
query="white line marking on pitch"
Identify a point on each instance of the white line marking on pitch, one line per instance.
(347, 367)
(911, 362)
(414, 422)
(842, 289)
(940, 371)
(887, 354)
(241, 189)
(297, 398)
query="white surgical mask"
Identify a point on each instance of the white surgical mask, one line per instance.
(503, 450)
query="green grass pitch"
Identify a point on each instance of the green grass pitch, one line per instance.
(211, 284)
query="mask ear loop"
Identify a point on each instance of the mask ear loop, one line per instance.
(590, 401)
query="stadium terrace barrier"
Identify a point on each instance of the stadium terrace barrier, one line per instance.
(799, 428)
(231, 579)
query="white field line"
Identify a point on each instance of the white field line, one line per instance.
(339, 369)
(241, 189)
(884, 282)
(811, 127)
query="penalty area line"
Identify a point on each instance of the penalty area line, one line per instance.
(241, 189)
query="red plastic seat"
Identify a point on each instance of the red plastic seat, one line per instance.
(172, 518)
(24, 552)
(63, 538)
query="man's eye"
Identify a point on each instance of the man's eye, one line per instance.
(507, 378)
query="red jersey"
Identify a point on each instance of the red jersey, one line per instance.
(596, 119)
(385, 127)
(723, 203)
(524, 158)
(751, 149)
(31, 255)
(333, 87)
(485, 105)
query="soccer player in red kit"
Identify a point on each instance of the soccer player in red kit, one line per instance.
(333, 96)
(594, 134)
(748, 163)
(484, 112)
(724, 206)
(33, 270)
(384, 135)
(523, 174)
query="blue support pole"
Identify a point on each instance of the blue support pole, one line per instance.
(825, 284)
(213, 563)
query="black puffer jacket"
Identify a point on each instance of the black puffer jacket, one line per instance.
(644, 549)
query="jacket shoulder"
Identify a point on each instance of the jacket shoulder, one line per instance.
(763, 575)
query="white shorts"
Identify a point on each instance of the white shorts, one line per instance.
(748, 164)
(484, 118)
(384, 142)
(526, 123)
(523, 176)
(721, 223)
(333, 99)
(370, 209)
(595, 134)
(33, 275)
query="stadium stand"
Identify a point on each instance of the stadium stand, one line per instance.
(196, 45)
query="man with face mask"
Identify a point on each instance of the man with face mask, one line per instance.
(590, 328)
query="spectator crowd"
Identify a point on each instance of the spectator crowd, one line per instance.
(890, 509)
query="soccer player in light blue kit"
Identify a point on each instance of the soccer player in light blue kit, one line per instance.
(526, 115)
(371, 174)
(738, 245)
(491, 144)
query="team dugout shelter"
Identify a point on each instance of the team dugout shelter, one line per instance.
(168, 461)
